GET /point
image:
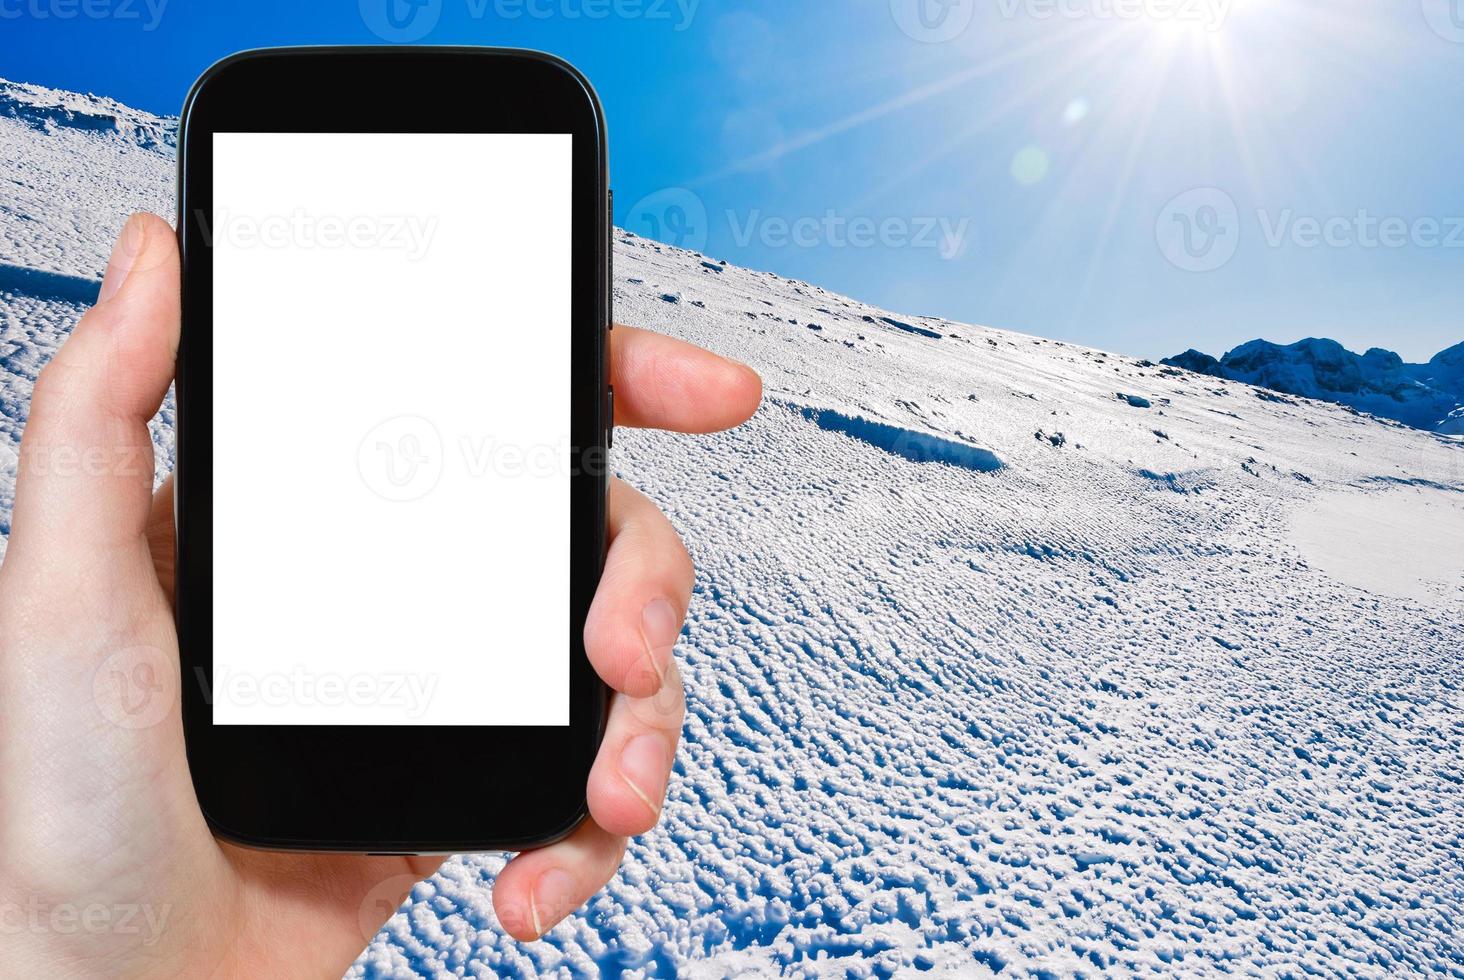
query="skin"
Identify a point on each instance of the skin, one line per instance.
(106, 865)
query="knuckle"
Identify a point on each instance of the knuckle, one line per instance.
(665, 710)
(50, 384)
(638, 676)
(684, 560)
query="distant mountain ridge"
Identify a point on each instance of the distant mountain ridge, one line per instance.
(1424, 396)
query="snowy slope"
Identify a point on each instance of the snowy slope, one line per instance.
(72, 167)
(1006, 655)
(1425, 396)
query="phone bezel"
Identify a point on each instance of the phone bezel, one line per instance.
(321, 787)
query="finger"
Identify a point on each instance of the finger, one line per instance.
(628, 782)
(540, 888)
(664, 383)
(636, 615)
(160, 535)
(89, 664)
(86, 467)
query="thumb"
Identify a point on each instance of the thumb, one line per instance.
(93, 753)
(84, 487)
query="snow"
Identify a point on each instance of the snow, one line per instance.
(1453, 424)
(75, 166)
(1406, 542)
(1006, 655)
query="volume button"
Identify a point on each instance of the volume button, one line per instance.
(610, 420)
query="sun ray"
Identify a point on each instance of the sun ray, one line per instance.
(1121, 186)
(1067, 80)
(872, 113)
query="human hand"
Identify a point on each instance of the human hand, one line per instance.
(106, 864)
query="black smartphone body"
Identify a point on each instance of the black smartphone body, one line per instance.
(393, 424)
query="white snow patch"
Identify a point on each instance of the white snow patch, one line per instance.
(1407, 541)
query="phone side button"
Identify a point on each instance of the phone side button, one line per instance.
(610, 410)
(610, 263)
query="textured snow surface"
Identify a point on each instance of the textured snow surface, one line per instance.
(1006, 656)
(72, 167)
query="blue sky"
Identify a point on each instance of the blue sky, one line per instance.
(1139, 175)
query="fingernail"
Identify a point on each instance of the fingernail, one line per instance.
(553, 899)
(643, 767)
(660, 625)
(129, 245)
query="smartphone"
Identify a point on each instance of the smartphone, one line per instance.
(393, 425)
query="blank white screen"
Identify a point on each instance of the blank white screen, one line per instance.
(391, 429)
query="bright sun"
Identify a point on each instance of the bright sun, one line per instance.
(1175, 21)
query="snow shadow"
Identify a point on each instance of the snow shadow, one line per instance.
(911, 444)
(907, 327)
(48, 285)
